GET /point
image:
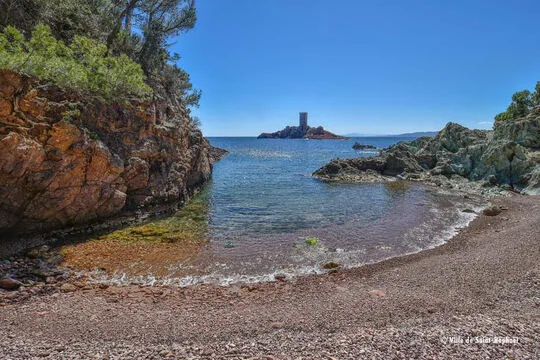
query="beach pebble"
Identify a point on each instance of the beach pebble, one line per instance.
(9, 284)
(331, 265)
(377, 293)
(67, 287)
(492, 211)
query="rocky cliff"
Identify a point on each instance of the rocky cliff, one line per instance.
(297, 132)
(68, 159)
(508, 156)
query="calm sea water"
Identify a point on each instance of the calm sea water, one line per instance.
(264, 186)
(264, 204)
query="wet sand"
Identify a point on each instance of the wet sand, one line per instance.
(453, 301)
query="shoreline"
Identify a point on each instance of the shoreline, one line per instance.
(482, 283)
(439, 237)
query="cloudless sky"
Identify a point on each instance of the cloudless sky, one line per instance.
(371, 67)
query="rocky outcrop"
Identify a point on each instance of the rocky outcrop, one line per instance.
(508, 156)
(68, 159)
(297, 132)
(358, 146)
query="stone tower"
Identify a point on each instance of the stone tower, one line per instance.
(303, 120)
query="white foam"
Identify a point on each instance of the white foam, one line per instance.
(420, 235)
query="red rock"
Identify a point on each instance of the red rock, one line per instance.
(5, 107)
(56, 172)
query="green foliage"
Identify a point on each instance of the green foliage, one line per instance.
(396, 185)
(312, 241)
(521, 105)
(174, 83)
(140, 29)
(84, 65)
(70, 115)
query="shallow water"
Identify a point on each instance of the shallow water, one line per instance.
(264, 204)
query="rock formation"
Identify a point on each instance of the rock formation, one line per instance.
(508, 156)
(68, 159)
(358, 146)
(297, 132)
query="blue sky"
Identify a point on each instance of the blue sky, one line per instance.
(371, 67)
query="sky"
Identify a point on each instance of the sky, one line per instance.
(368, 67)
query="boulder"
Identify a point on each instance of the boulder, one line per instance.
(532, 181)
(8, 283)
(492, 210)
(331, 265)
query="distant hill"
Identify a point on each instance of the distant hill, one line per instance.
(414, 134)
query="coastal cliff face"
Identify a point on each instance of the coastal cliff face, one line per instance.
(297, 132)
(508, 156)
(68, 159)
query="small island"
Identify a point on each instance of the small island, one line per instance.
(303, 131)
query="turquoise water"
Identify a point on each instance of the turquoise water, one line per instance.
(265, 186)
(264, 204)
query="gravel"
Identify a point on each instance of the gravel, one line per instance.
(476, 297)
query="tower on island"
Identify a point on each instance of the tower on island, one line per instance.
(303, 120)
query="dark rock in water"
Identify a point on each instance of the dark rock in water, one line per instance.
(492, 211)
(471, 211)
(509, 156)
(9, 284)
(280, 277)
(358, 146)
(369, 169)
(331, 265)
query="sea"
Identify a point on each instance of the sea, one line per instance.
(269, 218)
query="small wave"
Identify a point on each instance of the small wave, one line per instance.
(258, 154)
(123, 279)
(439, 226)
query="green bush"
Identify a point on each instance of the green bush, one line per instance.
(521, 105)
(83, 65)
